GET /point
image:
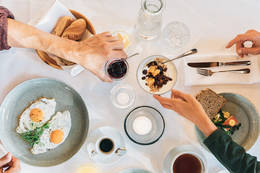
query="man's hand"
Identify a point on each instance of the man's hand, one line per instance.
(94, 52)
(187, 106)
(240, 39)
(9, 164)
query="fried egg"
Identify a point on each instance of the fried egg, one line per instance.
(36, 115)
(55, 135)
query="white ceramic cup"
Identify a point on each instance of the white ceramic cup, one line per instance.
(178, 151)
(93, 146)
(116, 150)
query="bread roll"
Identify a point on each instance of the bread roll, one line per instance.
(211, 102)
(61, 25)
(76, 30)
(60, 61)
(87, 34)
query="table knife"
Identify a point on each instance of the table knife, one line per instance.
(218, 64)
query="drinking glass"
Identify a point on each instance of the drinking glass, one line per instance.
(116, 69)
(176, 34)
(149, 21)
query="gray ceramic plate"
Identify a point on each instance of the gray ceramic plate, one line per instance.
(67, 99)
(245, 112)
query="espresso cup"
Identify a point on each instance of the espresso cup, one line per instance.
(106, 145)
(184, 155)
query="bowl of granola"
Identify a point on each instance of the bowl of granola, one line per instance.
(156, 77)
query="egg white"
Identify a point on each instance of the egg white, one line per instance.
(48, 107)
(60, 121)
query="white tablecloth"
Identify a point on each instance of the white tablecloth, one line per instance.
(213, 23)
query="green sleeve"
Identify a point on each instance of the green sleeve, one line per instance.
(230, 154)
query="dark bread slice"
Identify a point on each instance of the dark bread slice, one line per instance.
(211, 102)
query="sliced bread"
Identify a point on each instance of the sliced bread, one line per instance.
(211, 102)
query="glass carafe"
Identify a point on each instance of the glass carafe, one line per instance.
(149, 20)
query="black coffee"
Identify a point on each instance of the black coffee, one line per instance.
(117, 69)
(106, 145)
(187, 163)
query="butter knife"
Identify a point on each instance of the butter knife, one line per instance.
(218, 64)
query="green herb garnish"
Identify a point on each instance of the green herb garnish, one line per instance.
(226, 128)
(33, 136)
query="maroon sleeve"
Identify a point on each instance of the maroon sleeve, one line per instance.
(4, 14)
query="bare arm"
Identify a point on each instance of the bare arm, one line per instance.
(187, 106)
(25, 36)
(92, 53)
(229, 153)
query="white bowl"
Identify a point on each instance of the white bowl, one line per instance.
(178, 151)
(171, 72)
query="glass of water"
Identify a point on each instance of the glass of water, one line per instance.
(149, 21)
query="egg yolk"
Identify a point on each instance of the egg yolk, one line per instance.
(36, 115)
(57, 136)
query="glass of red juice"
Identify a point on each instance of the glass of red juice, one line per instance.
(116, 69)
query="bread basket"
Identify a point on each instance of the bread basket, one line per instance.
(47, 59)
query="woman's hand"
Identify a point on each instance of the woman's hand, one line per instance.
(251, 35)
(94, 52)
(9, 164)
(187, 106)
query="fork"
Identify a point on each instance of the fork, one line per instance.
(206, 72)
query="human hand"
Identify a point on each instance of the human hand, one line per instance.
(187, 106)
(9, 164)
(250, 35)
(94, 52)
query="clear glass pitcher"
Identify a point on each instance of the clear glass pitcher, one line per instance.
(149, 22)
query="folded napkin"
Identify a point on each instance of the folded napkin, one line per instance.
(48, 22)
(193, 78)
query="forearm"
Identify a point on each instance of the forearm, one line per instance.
(203, 122)
(26, 36)
(230, 154)
(207, 127)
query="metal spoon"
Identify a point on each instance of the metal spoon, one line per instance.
(132, 55)
(190, 52)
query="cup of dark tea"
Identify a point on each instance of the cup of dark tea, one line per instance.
(116, 69)
(184, 159)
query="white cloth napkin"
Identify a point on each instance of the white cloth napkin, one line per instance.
(192, 78)
(48, 22)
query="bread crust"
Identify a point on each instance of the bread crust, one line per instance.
(76, 30)
(87, 34)
(61, 25)
(211, 102)
(69, 29)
